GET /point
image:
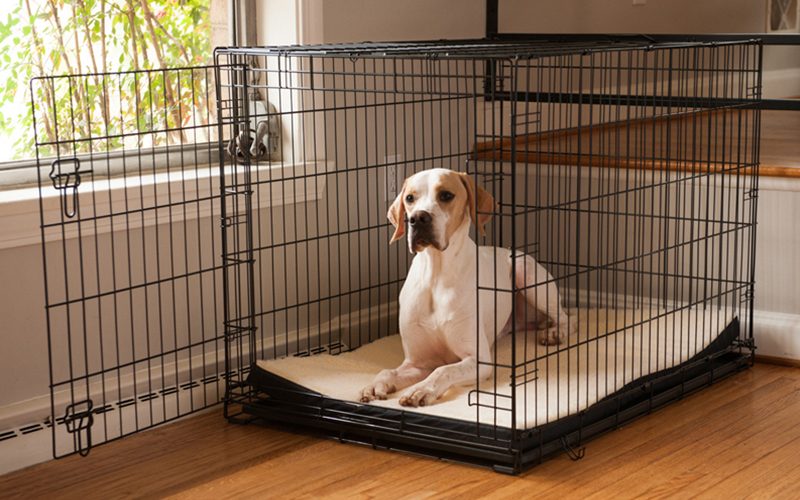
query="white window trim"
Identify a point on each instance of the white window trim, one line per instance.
(20, 215)
(22, 173)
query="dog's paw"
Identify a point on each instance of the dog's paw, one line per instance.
(545, 324)
(378, 390)
(550, 336)
(418, 396)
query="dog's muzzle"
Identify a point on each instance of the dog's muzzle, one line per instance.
(421, 235)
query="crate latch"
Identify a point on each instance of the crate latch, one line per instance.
(66, 176)
(78, 418)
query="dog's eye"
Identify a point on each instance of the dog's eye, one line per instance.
(410, 198)
(446, 196)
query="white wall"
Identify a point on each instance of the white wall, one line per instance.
(777, 304)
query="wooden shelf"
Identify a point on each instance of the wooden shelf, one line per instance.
(664, 143)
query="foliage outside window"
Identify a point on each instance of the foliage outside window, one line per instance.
(94, 37)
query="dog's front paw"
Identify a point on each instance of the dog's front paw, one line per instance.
(550, 336)
(418, 396)
(377, 390)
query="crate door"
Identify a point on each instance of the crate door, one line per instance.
(130, 214)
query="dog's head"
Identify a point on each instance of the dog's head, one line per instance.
(438, 202)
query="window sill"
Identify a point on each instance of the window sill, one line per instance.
(189, 193)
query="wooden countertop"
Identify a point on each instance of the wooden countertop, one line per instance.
(660, 144)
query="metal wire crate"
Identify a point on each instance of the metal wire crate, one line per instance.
(198, 221)
(628, 169)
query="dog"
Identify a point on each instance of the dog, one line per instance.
(439, 313)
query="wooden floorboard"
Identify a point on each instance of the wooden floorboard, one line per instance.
(737, 439)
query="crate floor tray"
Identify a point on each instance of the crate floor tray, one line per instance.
(563, 380)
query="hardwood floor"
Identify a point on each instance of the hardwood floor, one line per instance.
(739, 438)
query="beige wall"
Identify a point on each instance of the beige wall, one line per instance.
(382, 20)
(621, 16)
(23, 359)
(656, 16)
(368, 20)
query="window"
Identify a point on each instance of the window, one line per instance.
(783, 16)
(53, 37)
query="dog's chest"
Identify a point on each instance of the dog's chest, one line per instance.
(434, 306)
(444, 303)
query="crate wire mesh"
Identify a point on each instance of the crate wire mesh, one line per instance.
(128, 186)
(627, 169)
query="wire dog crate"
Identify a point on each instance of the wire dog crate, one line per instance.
(219, 233)
(627, 169)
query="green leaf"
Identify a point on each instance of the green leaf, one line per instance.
(186, 20)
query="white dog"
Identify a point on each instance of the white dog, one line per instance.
(444, 334)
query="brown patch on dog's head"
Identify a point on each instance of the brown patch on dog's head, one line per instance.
(479, 203)
(397, 215)
(453, 198)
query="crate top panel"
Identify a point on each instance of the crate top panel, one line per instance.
(468, 49)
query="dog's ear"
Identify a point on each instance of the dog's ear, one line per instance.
(397, 216)
(478, 200)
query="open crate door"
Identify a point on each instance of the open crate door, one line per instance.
(129, 179)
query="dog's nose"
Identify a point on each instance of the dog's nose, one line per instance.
(420, 217)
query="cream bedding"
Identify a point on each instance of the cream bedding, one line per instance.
(561, 380)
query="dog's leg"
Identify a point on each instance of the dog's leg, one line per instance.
(549, 333)
(544, 298)
(443, 378)
(389, 381)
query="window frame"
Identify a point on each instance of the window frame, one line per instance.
(23, 173)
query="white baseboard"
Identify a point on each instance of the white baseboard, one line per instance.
(24, 423)
(777, 334)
